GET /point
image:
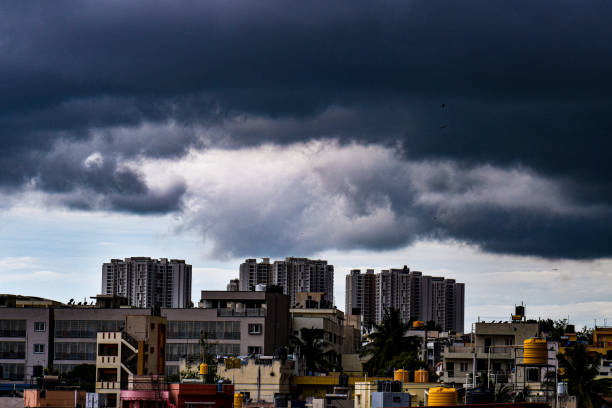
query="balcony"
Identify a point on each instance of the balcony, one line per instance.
(12, 355)
(113, 360)
(12, 333)
(250, 312)
(465, 352)
(107, 385)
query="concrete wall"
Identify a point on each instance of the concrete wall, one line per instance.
(274, 378)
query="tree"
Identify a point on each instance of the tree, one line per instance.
(580, 369)
(311, 349)
(585, 335)
(83, 376)
(554, 329)
(387, 342)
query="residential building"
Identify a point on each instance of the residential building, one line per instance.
(351, 343)
(330, 321)
(416, 296)
(139, 350)
(496, 348)
(76, 331)
(260, 379)
(296, 275)
(253, 273)
(361, 296)
(25, 341)
(233, 323)
(233, 285)
(601, 344)
(148, 282)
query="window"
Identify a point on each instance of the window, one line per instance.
(39, 348)
(254, 350)
(254, 328)
(39, 326)
(463, 367)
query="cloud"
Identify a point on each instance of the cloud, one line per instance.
(497, 115)
(307, 198)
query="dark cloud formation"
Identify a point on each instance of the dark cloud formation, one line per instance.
(514, 85)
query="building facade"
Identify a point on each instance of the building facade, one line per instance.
(330, 321)
(233, 323)
(416, 296)
(361, 296)
(294, 275)
(253, 273)
(148, 282)
(496, 349)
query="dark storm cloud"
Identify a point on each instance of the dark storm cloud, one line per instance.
(524, 84)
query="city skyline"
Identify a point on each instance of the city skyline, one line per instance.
(469, 140)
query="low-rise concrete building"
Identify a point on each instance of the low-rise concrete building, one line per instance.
(233, 323)
(330, 321)
(497, 349)
(25, 341)
(260, 379)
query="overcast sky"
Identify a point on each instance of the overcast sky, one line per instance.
(465, 139)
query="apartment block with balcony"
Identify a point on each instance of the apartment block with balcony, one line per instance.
(24, 342)
(329, 320)
(76, 330)
(148, 282)
(601, 344)
(138, 350)
(234, 323)
(497, 349)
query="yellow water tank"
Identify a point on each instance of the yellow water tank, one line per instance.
(535, 351)
(418, 323)
(238, 400)
(441, 396)
(203, 369)
(421, 376)
(401, 375)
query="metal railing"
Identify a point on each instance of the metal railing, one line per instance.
(251, 312)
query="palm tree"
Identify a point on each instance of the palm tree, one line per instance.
(387, 342)
(580, 369)
(311, 348)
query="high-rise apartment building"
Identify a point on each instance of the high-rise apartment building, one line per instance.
(147, 282)
(416, 296)
(304, 275)
(361, 296)
(294, 275)
(253, 273)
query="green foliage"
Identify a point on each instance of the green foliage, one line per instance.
(585, 335)
(504, 394)
(389, 348)
(311, 349)
(205, 355)
(83, 376)
(553, 329)
(580, 369)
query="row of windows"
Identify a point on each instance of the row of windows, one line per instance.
(191, 351)
(86, 328)
(10, 371)
(12, 349)
(75, 351)
(212, 330)
(12, 328)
